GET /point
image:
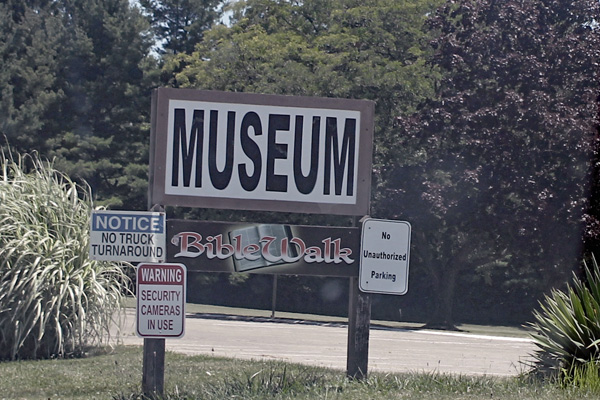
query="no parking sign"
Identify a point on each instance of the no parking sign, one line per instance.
(384, 256)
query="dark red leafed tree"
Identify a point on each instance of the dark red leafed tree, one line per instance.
(496, 175)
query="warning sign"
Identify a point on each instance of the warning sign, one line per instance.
(161, 300)
(134, 236)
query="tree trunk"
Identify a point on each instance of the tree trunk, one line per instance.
(442, 317)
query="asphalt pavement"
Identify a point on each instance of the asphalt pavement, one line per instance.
(324, 344)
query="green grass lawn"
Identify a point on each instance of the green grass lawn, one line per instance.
(116, 374)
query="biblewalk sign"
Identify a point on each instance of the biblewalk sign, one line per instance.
(161, 295)
(263, 248)
(384, 256)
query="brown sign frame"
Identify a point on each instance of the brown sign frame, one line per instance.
(363, 146)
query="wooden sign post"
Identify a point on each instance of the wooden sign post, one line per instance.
(359, 323)
(153, 369)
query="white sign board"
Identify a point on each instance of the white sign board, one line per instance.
(384, 256)
(134, 236)
(261, 152)
(161, 297)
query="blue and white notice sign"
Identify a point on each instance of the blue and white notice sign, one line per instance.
(133, 236)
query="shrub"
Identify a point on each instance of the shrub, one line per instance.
(567, 327)
(54, 300)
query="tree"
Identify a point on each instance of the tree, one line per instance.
(501, 160)
(180, 24)
(30, 39)
(109, 100)
(75, 86)
(373, 49)
(370, 49)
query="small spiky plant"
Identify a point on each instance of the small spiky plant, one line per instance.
(567, 326)
(54, 300)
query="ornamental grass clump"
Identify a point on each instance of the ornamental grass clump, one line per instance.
(567, 328)
(54, 300)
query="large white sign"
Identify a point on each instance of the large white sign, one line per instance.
(161, 297)
(232, 150)
(134, 236)
(384, 256)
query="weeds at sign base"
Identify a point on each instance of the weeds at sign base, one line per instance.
(583, 376)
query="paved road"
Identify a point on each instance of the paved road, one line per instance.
(325, 345)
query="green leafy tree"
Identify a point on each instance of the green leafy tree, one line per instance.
(373, 49)
(180, 24)
(105, 138)
(75, 84)
(370, 49)
(500, 166)
(30, 41)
